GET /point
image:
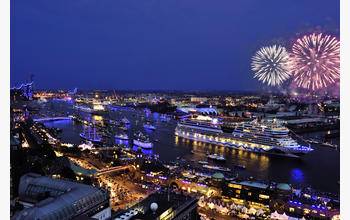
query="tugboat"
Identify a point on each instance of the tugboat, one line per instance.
(216, 157)
(142, 141)
(149, 126)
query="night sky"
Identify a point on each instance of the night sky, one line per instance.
(155, 44)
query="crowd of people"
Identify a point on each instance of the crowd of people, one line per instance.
(231, 209)
(122, 192)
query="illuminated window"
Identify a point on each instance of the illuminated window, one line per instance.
(236, 186)
(306, 211)
(238, 191)
(291, 209)
(262, 196)
(249, 193)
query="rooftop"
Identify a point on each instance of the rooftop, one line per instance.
(54, 198)
(166, 204)
(218, 175)
(284, 186)
(252, 184)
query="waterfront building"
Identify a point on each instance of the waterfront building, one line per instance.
(283, 198)
(22, 92)
(46, 198)
(201, 110)
(163, 206)
(198, 99)
(255, 193)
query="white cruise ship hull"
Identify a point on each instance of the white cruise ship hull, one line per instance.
(235, 143)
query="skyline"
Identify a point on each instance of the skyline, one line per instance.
(157, 46)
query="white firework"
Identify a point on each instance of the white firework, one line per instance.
(271, 65)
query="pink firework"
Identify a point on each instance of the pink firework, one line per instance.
(315, 61)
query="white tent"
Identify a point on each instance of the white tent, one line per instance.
(252, 211)
(277, 216)
(260, 212)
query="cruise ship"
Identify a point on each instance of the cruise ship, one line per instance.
(265, 136)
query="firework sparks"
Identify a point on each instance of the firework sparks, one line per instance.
(315, 61)
(271, 65)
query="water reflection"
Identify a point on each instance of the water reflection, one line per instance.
(97, 118)
(261, 166)
(252, 161)
(148, 131)
(121, 142)
(297, 175)
(148, 152)
(156, 116)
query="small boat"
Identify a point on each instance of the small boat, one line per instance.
(121, 136)
(239, 166)
(216, 157)
(149, 126)
(142, 141)
(225, 169)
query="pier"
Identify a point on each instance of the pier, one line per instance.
(47, 119)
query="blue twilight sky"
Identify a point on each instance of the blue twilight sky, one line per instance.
(155, 44)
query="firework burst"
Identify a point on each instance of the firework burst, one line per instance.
(271, 65)
(315, 61)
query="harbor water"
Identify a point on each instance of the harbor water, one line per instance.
(319, 169)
